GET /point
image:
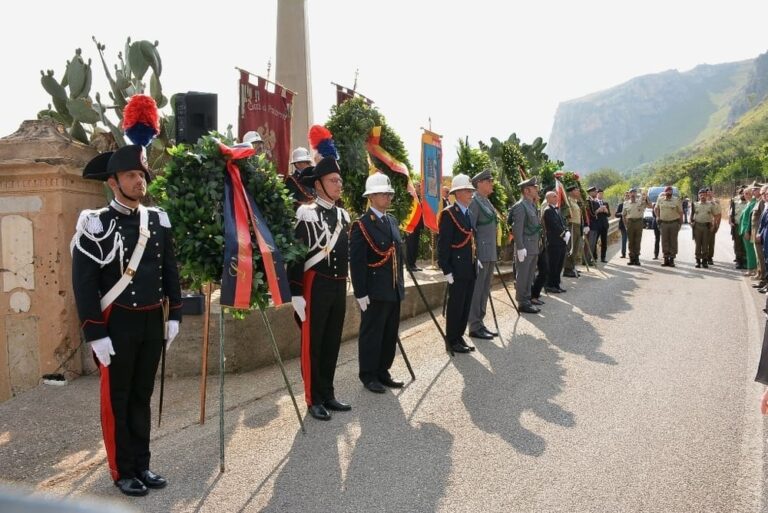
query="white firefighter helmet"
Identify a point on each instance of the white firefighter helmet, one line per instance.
(300, 155)
(251, 137)
(378, 183)
(460, 182)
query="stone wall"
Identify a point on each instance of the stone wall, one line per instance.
(41, 194)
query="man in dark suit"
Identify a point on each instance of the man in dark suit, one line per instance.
(376, 268)
(602, 217)
(557, 237)
(456, 257)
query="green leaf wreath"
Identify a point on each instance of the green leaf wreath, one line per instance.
(351, 124)
(191, 190)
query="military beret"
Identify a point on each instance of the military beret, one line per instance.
(531, 182)
(485, 174)
(571, 187)
(592, 189)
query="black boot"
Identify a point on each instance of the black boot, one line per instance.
(671, 262)
(704, 264)
(666, 262)
(698, 263)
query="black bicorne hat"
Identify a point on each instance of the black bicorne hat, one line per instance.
(128, 158)
(326, 166)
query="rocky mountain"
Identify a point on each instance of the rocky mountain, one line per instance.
(653, 115)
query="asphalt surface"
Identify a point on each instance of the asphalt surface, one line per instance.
(631, 392)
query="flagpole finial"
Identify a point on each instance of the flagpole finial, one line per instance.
(430, 123)
(269, 67)
(357, 73)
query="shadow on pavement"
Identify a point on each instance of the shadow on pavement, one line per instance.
(384, 473)
(526, 376)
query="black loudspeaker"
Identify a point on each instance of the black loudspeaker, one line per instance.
(196, 115)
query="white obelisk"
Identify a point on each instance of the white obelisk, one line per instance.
(292, 68)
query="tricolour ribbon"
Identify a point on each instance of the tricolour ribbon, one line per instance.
(241, 215)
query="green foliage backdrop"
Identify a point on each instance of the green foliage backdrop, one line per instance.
(191, 190)
(351, 124)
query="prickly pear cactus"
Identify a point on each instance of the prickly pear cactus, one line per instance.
(84, 117)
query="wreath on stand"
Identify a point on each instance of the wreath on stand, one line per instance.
(191, 190)
(352, 123)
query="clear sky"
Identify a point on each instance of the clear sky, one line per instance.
(479, 68)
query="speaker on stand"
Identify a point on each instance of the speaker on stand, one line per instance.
(196, 115)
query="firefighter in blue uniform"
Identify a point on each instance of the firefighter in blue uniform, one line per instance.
(376, 266)
(123, 267)
(319, 286)
(456, 256)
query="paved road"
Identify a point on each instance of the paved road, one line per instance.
(632, 392)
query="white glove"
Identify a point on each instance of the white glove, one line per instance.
(102, 348)
(300, 307)
(567, 237)
(586, 230)
(521, 254)
(171, 330)
(479, 264)
(449, 278)
(363, 302)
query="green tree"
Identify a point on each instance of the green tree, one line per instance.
(603, 178)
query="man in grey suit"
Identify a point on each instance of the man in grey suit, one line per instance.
(526, 227)
(484, 219)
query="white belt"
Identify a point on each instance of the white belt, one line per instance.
(133, 263)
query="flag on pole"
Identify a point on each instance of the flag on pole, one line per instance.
(266, 107)
(431, 178)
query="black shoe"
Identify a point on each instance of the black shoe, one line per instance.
(464, 343)
(460, 348)
(152, 480)
(552, 290)
(698, 264)
(529, 309)
(763, 290)
(562, 290)
(375, 386)
(480, 334)
(671, 262)
(603, 260)
(132, 486)
(710, 262)
(623, 256)
(758, 285)
(630, 262)
(391, 383)
(536, 301)
(655, 257)
(637, 261)
(336, 405)
(319, 412)
(704, 264)
(570, 274)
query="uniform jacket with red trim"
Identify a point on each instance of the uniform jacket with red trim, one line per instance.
(452, 260)
(377, 282)
(311, 222)
(156, 277)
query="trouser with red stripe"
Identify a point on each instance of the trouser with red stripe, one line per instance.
(321, 334)
(126, 388)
